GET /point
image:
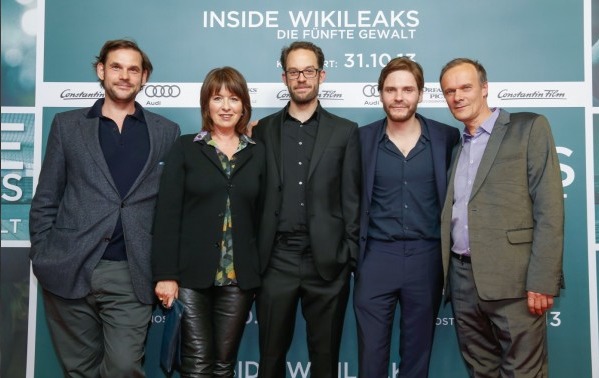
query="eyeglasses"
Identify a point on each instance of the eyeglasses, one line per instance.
(309, 73)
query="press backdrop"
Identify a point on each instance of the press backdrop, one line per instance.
(537, 54)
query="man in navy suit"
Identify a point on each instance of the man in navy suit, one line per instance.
(405, 158)
(91, 220)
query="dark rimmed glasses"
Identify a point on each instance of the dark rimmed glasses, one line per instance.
(309, 73)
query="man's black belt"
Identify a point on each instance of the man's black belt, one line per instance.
(461, 257)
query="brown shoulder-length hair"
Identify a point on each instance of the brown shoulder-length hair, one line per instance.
(235, 83)
(402, 64)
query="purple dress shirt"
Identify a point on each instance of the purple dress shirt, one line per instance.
(473, 147)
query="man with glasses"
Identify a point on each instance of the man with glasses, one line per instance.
(308, 238)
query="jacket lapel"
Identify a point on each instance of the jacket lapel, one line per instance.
(156, 135)
(449, 197)
(241, 158)
(370, 150)
(91, 138)
(499, 130)
(275, 135)
(323, 135)
(438, 146)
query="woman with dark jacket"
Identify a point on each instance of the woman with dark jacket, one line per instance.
(204, 245)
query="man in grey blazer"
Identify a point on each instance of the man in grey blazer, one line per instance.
(91, 218)
(501, 229)
(308, 237)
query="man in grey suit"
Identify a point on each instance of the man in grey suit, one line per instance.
(91, 219)
(501, 229)
(308, 236)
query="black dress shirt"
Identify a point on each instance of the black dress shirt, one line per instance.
(297, 144)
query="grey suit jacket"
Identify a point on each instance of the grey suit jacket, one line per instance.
(77, 204)
(515, 212)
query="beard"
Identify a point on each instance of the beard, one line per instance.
(400, 117)
(305, 97)
(111, 91)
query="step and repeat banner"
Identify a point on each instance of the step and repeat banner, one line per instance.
(539, 56)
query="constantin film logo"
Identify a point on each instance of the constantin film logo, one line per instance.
(539, 94)
(324, 94)
(70, 94)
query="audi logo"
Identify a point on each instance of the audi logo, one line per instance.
(370, 90)
(162, 90)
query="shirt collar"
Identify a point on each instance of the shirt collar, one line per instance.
(486, 127)
(205, 136)
(314, 115)
(96, 111)
(423, 129)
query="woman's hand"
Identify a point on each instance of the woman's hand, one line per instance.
(167, 291)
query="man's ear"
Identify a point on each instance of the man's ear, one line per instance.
(321, 76)
(100, 71)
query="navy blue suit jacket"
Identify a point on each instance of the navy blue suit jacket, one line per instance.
(443, 139)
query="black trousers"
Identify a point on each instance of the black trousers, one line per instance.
(211, 329)
(291, 277)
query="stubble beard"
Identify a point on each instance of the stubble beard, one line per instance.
(304, 99)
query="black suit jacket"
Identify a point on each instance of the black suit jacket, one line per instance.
(332, 191)
(188, 228)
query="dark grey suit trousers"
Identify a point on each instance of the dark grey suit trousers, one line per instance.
(104, 333)
(497, 338)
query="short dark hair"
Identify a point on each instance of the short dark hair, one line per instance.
(302, 45)
(117, 44)
(402, 63)
(482, 73)
(235, 83)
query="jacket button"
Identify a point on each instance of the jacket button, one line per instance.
(122, 204)
(107, 240)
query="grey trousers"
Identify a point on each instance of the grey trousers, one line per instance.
(102, 334)
(497, 338)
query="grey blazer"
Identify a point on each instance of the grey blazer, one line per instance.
(77, 204)
(515, 213)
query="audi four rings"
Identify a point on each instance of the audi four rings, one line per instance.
(156, 90)
(370, 90)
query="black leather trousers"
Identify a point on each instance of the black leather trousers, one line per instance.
(211, 329)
